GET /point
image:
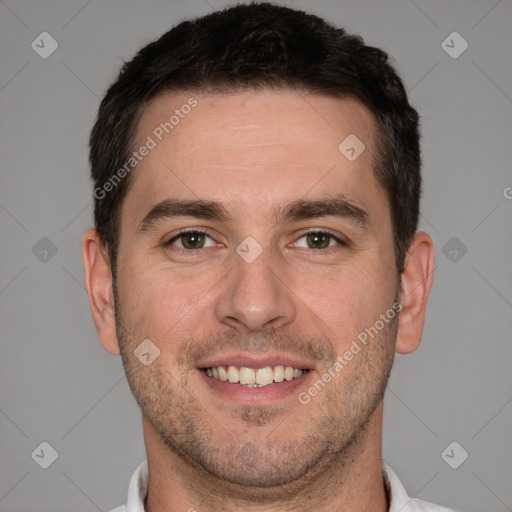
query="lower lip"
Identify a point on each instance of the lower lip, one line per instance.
(257, 395)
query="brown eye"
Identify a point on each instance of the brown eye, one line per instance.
(191, 240)
(318, 240)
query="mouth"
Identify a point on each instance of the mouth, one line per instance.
(254, 377)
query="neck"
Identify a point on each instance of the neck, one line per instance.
(352, 480)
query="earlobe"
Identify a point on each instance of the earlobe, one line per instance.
(416, 281)
(98, 284)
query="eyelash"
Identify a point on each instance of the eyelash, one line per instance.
(311, 232)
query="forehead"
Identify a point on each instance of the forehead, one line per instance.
(251, 149)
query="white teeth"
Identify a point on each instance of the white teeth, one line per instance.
(254, 377)
(233, 374)
(264, 376)
(247, 376)
(279, 373)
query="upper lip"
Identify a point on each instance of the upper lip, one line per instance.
(256, 361)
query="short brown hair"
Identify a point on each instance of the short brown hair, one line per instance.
(255, 46)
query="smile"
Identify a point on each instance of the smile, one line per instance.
(254, 377)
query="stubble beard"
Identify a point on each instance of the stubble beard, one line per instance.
(261, 460)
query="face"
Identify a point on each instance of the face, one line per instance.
(254, 254)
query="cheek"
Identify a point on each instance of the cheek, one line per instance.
(348, 302)
(161, 303)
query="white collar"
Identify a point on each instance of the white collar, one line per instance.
(400, 501)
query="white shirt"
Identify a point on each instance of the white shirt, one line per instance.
(400, 501)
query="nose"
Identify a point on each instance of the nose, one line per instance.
(255, 296)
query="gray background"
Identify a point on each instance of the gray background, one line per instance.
(56, 382)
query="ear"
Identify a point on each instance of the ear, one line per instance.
(415, 284)
(98, 283)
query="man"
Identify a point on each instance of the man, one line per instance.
(256, 263)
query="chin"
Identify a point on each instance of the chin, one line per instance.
(260, 465)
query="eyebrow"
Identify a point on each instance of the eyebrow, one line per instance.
(338, 206)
